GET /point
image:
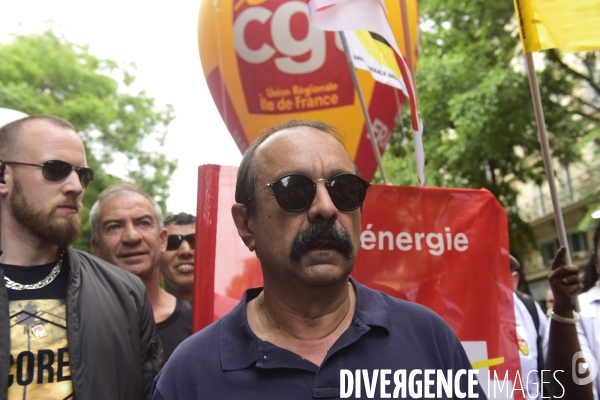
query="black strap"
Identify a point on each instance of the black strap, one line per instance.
(530, 306)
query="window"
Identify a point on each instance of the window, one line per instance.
(577, 242)
(548, 251)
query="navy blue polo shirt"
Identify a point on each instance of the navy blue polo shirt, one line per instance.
(226, 360)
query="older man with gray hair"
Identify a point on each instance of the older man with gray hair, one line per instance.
(127, 230)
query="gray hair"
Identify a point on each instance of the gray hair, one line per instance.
(247, 173)
(119, 188)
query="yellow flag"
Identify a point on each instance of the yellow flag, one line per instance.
(373, 53)
(569, 25)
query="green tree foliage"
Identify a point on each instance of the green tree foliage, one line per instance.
(475, 102)
(46, 74)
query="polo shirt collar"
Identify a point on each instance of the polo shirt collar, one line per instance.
(371, 307)
(240, 346)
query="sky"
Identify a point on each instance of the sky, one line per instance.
(161, 39)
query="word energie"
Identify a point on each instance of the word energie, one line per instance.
(436, 243)
(418, 384)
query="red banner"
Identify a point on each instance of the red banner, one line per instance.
(444, 248)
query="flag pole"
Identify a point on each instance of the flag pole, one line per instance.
(541, 124)
(364, 108)
(417, 135)
(407, 40)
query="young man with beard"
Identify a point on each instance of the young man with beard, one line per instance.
(71, 325)
(299, 201)
(128, 231)
(177, 261)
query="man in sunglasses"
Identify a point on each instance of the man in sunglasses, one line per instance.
(128, 231)
(177, 261)
(311, 327)
(71, 325)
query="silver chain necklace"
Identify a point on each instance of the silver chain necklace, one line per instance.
(44, 282)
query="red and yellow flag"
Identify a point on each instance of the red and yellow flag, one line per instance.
(569, 25)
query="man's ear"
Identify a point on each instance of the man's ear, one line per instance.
(163, 240)
(95, 247)
(515, 279)
(3, 185)
(239, 212)
(2, 168)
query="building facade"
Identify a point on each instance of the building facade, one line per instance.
(578, 187)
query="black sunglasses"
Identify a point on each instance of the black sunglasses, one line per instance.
(296, 193)
(56, 171)
(174, 241)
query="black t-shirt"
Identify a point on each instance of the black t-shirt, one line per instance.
(39, 350)
(57, 289)
(176, 328)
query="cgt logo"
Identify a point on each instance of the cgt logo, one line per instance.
(311, 47)
(582, 364)
(285, 63)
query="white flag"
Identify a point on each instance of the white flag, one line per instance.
(352, 15)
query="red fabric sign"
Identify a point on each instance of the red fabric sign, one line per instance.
(444, 248)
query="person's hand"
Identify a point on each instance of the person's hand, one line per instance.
(564, 282)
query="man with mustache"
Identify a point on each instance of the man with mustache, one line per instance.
(128, 231)
(71, 325)
(299, 202)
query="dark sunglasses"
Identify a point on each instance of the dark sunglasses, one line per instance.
(296, 193)
(56, 171)
(174, 241)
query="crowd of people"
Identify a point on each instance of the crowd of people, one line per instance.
(75, 325)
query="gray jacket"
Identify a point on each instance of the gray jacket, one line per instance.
(114, 347)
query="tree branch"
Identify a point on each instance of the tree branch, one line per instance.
(583, 102)
(553, 55)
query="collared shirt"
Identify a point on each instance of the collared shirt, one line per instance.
(588, 330)
(528, 351)
(227, 360)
